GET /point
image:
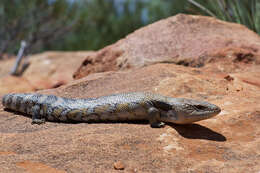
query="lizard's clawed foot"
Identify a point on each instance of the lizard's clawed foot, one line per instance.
(158, 125)
(38, 121)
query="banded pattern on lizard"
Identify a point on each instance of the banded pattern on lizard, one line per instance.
(155, 108)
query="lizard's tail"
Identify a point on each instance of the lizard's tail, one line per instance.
(8, 101)
(16, 102)
(12, 101)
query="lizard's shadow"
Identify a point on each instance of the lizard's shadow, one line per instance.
(196, 131)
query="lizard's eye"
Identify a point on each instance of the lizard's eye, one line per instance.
(200, 107)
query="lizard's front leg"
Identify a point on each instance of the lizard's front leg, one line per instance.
(154, 118)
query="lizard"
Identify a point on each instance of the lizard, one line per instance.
(155, 108)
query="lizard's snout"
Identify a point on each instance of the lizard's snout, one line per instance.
(218, 110)
(214, 109)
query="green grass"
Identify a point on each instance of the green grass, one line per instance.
(246, 12)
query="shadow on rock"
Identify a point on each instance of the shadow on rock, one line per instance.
(196, 131)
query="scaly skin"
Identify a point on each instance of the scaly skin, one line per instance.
(119, 107)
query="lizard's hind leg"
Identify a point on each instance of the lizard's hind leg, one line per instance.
(154, 118)
(36, 116)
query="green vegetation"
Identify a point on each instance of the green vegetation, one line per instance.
(93, 24)
(37, 22)
(103, 22)
(246, 12)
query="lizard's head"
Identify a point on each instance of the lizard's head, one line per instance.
(185, 111)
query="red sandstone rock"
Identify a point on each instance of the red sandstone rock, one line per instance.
(46, 70)
(182, 39)
(226, 143)
(10, 84)
(52, 69)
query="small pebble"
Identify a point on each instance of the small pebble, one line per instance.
(119, 165)
(229, 78)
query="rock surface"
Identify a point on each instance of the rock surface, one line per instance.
(227, 143)
(182, 39)
(46, 70)
(15, 84)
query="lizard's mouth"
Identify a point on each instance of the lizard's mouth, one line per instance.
(209, 111)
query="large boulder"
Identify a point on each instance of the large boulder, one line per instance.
(182, 39)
